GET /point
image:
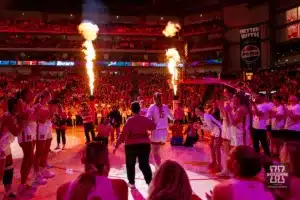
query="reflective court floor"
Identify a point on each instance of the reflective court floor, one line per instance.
(67, 166)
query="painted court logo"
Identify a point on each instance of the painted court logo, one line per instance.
(278, 176)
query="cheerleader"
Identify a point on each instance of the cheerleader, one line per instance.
(27, 138)
(10, 127)
(159, 113)
(44, 138)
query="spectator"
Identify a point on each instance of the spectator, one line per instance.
(94, 182)
(171, 183)
(290, 155)
(245, 164)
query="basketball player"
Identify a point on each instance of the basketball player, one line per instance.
(44, 137)
(27, 138)
(11, 126)
(238, 117)
(226, 129)
(159, 113)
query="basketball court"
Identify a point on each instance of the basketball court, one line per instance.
(67, 166)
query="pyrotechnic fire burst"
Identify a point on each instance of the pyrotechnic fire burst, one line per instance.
(172, 54)
(171, 29)
(89, 31)
(174, 58)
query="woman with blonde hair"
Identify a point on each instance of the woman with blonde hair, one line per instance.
(45, 111)
(171, 183)
(28, 137)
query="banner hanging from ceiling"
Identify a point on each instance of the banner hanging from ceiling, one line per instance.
(250, 48)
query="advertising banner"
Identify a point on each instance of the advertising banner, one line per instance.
(250, 48)
(98, 63)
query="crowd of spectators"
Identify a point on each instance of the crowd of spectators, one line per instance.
(54, 41)
(71, 27)
(208, 27)
(35, 33)
(78, 56)
(120, 89)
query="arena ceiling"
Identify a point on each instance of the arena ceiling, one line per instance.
(123, 7)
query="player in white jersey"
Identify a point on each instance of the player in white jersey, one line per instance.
(12, 125)
(44, 137)
(237, 117)
(212, 125)
(159, 113)
(226, 129)
(28, 137)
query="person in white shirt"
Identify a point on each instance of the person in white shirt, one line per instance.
(292, 124)
(159, 113)
(277, 124)
(212, 125)
(260, 111)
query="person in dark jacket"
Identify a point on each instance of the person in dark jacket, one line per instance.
(115, 119)
(60, 121)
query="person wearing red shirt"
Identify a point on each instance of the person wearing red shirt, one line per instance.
(177, 133)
